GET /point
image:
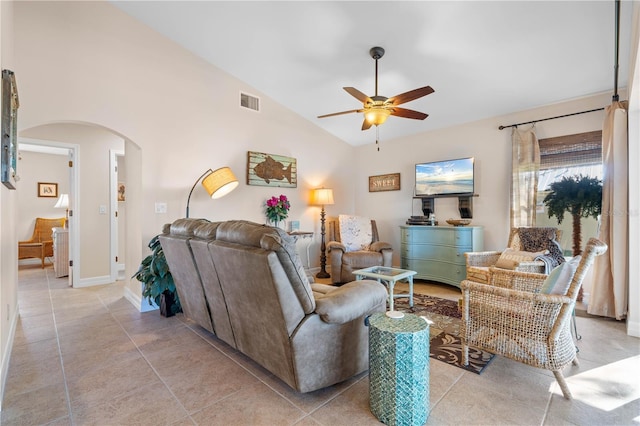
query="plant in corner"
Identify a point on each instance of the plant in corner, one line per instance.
(579, 195)
(159, 287)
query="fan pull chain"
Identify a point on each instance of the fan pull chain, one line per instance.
(377, 138)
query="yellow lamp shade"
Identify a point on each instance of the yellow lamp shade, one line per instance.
(220, 182)
(322, 197)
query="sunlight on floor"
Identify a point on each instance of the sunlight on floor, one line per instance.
(608, 387)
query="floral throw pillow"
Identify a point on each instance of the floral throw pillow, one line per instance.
(355, 232)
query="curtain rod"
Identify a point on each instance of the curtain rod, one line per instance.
(550, 118)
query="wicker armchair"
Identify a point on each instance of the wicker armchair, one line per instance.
(479, 263)
(512, 318)
(40, 246)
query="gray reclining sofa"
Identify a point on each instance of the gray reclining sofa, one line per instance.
(245, 283)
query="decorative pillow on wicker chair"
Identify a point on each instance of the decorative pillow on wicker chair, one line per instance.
(533, 239)
(355, 232)
(510, 258)
(559, 280)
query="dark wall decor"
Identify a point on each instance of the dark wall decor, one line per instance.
(47, 189)
(10, 106)
(390, 182)
(271, 170)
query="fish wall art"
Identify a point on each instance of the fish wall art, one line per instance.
(271, 170)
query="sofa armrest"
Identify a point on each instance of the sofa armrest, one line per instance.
(334, 245)
(379, 246)
(351, 301)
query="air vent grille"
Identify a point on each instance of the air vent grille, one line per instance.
(249, 102)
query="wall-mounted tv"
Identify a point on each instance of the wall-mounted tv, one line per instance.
(445, 178)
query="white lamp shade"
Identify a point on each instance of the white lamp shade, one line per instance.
(322, 197)
(220, 182)
(63, 202)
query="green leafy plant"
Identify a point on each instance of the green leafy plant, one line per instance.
(157, 279)
(580, 196)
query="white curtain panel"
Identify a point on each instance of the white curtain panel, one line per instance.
(609, 291)
(524, 183)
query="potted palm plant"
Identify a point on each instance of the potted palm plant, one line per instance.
(159, 287)
(580, 196)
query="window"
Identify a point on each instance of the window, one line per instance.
(570, 155)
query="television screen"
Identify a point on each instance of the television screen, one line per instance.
(440, 178)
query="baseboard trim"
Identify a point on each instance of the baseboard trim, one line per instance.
(141, 304)
(7, 351)
(93, 281)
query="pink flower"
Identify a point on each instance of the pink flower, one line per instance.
(277, 208)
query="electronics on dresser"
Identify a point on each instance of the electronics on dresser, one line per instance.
(422, 220)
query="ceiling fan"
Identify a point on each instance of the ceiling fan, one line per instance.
(376, 108)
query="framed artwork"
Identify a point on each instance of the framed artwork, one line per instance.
(390, 182)
(121, 189)
(46, 189)
(9, 126)
(271, 170)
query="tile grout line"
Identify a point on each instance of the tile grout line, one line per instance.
(173, 395)
(55, 326)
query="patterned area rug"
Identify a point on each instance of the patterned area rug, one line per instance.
(446, 320)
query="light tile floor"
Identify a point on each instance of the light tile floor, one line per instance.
(87, 356)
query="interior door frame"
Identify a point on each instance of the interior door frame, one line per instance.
(113, 211)
(74, 191)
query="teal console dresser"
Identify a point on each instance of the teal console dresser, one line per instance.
(436, 253)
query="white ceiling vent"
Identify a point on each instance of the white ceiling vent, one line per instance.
(249, 101)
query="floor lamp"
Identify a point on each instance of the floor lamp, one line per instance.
(322, 197)
(218, 183)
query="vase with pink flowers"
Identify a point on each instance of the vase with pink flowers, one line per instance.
(277, 209)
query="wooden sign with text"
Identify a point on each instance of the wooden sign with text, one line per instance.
(390, 182)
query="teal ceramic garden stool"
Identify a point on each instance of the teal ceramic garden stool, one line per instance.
(399, 369)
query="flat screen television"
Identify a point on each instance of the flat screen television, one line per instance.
(445, 178)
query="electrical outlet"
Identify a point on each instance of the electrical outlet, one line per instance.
(161, 207)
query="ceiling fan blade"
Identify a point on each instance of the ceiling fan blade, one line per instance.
(358, 94)
(340, 113)
(410, 95)
(408, 113)
(366, 125)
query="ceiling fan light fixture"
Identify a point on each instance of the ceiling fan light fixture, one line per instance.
(377, 116)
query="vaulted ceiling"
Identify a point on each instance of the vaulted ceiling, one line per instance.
(482, 58)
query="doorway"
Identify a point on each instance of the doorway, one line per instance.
(42, 153)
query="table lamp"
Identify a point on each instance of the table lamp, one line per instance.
(63, 203)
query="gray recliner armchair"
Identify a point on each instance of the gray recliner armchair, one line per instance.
(345, 257)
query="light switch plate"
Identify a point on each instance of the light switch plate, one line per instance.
(161, 207)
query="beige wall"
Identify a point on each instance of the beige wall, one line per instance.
(181, 112)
